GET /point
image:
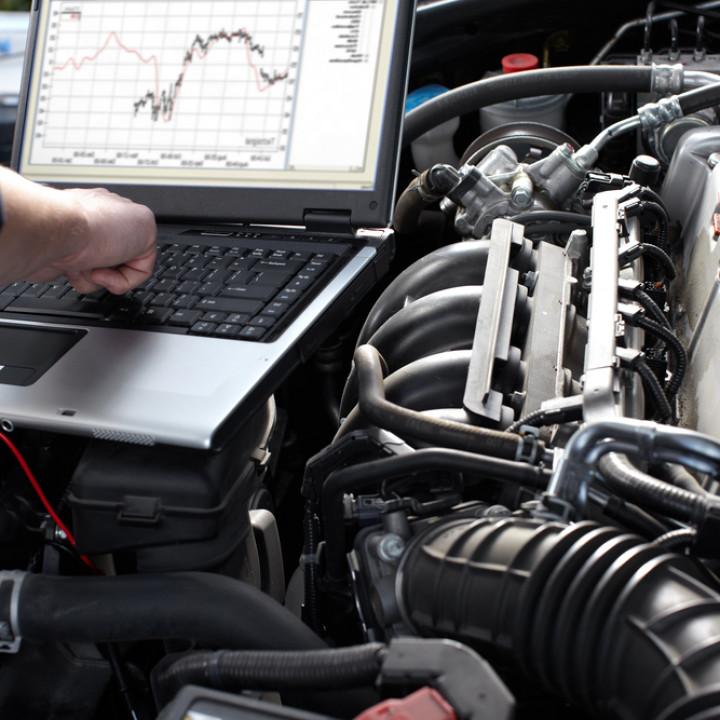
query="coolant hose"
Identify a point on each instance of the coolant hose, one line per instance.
(699, 98)
(238, 670)
(651, 441)
(610, 622)
(531, 83)
(622, 477)
(437, 431)
(213, 610)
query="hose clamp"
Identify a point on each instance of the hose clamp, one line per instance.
(655, 115)
(529, 449)
(666, 80)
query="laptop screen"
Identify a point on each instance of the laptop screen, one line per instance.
(291, 101)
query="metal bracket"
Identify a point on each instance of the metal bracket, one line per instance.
(493, 328)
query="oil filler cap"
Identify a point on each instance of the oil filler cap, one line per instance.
(517, 62)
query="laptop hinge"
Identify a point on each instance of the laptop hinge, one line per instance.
(335, 221)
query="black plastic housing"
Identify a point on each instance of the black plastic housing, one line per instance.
(177, 508)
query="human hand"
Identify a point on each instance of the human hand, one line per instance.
(93, 237)
(112, 245)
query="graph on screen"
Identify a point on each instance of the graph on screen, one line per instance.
(202, 84)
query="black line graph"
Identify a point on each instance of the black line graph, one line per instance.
(192, 84)
(162, 103)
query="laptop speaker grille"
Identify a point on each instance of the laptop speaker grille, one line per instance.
(126, 437)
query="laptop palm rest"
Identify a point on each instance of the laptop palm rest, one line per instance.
(26, 353)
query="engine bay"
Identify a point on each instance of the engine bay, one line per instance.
(493, 491)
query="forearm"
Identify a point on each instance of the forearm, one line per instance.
(94, 237)
(40, 227)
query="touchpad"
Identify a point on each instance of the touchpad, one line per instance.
(26, 352)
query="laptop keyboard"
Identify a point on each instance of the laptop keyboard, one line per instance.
(238, 290)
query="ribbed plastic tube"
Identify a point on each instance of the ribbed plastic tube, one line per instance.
(614, 624)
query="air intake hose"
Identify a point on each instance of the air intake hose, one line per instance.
(611, 622)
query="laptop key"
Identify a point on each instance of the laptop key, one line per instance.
(203, 328)
(251, 292)
(229, 305)
(272, 263)
(227, 330)
(155, 315)
(251, 332)
(185, 318)
(64, 306)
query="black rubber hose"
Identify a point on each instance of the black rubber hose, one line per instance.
(212, 610)
(610, 622)
(450, 266)
(371, 474)
(622, 477)
(699, 98)
(235, 671)
(410, 423)
(433, 385)
(683, 478)
(531, 83)
(428, 187)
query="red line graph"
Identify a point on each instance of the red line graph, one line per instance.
(163, 103)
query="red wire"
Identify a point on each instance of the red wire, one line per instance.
(45, 501)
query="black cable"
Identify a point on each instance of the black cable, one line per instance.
(651, 307)
(662, 219)
(122, 685)
(654, 389)
(673, 344)
(677, 539)
(311, 670)
(533, 419)
(657, 253)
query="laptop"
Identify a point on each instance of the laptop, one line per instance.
(264, 135)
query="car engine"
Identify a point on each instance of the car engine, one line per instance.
(493, 492)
